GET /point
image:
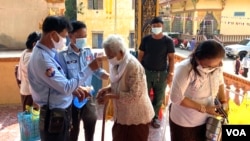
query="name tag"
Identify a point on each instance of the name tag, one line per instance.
(72, 61)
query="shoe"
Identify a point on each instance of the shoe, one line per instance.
(156, 123)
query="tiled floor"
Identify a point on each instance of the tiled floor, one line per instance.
(9, 128)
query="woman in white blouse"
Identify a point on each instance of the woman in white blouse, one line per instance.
(133, 110)
(197, 81)
(26, 97)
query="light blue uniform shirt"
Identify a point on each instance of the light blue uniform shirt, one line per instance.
(47, 76)
(73, 62)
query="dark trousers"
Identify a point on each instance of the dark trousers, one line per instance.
(130, 132)
(157, 81)
(245, 72)
(180, 133)
(44, 121)
(89, 116)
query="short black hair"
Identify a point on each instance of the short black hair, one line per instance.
(33, 37)
(57, 23)
(157, 20)
(76, 25)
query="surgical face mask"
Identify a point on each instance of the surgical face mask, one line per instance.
(61, 43)
(114, 61)
(81, 42)
(156, 30)
(206, 70)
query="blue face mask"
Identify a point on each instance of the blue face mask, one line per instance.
(81, 42)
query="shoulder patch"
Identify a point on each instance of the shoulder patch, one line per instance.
(50, 72)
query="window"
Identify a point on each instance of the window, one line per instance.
(241, 14)
(131, 40)
(97, 39)
(95, 4)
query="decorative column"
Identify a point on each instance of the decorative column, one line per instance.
(145, 11)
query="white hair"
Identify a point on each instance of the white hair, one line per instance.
(115, 43)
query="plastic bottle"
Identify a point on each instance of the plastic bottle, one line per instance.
(80, 104)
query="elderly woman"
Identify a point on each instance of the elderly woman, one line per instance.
(132, 106)
(198, 80)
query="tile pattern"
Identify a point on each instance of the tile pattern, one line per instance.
(9, 128)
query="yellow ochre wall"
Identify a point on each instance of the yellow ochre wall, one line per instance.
(106, 20)
(21, 17)
(231, 25)
(9, 91)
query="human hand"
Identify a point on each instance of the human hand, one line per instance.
(101, 95)
(212, 110)
(96, 63)
(80, 92)
(105, 75)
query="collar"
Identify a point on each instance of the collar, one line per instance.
(52, 52)
(71, 50)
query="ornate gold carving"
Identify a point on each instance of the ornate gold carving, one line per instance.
(145, 10)
(194, 3)
(223, 3)
(55, 1)
(148, 12)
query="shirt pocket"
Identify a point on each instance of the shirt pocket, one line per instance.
(72, 70)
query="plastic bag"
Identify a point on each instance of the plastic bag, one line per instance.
(29, 125)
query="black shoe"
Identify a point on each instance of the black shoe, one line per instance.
(156, 123)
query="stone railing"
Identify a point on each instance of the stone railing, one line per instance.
(224, 39)
(231, 39)
(236, 85)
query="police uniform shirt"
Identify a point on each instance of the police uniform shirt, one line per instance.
(47, 77)
(73, 62)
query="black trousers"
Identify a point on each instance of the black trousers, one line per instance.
(180, 133)
(245, 72)
(89, 117)
(138, 132)
(44, 121)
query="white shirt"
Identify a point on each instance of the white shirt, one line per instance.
(246, 62)
(22, 72)
(202, 89)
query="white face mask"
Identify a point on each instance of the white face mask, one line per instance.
(205, 70)
(156, 30)
(114, 61)
(81, 42)
(61, 43)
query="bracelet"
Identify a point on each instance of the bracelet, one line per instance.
(202, 109)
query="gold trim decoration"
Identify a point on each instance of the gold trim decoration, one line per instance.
(55, 1)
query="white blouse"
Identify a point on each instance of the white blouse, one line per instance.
(22, 72)
(202, 89)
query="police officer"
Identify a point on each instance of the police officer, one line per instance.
(73, 60)
(51, 90)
